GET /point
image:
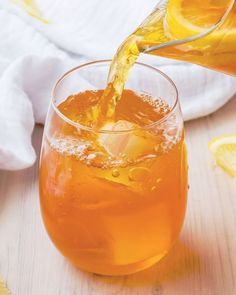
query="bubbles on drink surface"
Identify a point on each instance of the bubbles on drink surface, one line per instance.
(141, 132)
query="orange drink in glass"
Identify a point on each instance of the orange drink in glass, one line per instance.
(113, 199)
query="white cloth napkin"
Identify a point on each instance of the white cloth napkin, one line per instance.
(34, 55)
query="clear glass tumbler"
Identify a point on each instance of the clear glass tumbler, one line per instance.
(113, 216)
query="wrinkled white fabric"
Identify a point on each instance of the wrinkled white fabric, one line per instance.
(34, 55)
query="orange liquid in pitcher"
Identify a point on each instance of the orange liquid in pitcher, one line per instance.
(113, 203)
(215, 50)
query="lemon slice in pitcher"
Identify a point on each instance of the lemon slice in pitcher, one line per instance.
(187, 18)
(224, 150)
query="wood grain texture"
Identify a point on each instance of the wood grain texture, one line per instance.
(203, 261)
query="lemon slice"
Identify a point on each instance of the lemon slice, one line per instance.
(224, 150)
(188, 18)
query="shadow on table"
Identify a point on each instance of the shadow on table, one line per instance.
(181, 262)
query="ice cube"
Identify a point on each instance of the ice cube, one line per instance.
(131, 144)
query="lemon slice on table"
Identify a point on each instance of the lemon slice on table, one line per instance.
(224, 150)
(186, 18)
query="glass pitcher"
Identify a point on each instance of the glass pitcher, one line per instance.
(200, 32)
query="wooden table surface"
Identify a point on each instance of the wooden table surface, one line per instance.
(202, 262)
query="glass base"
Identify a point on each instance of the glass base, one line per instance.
(118, 270)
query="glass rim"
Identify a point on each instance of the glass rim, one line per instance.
(96, 130)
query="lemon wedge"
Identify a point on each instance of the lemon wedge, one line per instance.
(224, 150)
(188, 18)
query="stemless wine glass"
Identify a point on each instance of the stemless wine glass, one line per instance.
(109, 216)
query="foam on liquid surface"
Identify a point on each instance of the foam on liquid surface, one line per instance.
(131, 139)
